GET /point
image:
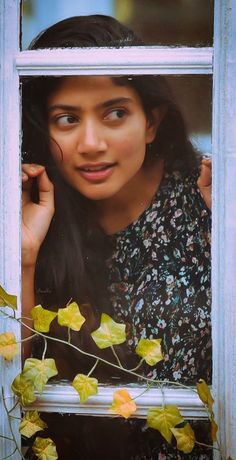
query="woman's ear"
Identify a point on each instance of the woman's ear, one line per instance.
(153, 122)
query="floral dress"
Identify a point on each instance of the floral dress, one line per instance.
(159, 285)
(159, 280)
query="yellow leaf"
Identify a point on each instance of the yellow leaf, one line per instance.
(45, 449)
(185, 438)
(31, 423)
(24, 389)
(42, 318)
(7, 300)
(163, 419)
(123, 404)
(39, 371)
(214, 429)
(150, 350)
(205, 394)
(86, 386)
(109, 333)
(8, 346)
(71, 317)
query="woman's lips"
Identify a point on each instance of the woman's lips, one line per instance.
(96, 172)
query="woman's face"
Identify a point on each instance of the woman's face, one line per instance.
(100, 131)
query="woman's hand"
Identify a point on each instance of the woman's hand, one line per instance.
(204, 181)
(36, 217)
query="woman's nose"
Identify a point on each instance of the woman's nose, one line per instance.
(90, 138)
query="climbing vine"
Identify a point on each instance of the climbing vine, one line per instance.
(167, 419)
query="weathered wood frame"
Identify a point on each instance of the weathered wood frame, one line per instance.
(124, 61)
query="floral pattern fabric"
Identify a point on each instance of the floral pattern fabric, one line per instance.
(159, 280)
(160, 286)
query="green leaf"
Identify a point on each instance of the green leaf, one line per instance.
(185, 438)
(123, 404)
(71, 317)
(31, 423)
(205, 394)
(42, 318)
(7, 300)
(8, 346)
(150, 350)
(45, 449)
(85, 386)
(24, 389)
(163, 419)
(39, 371)
(109, 333)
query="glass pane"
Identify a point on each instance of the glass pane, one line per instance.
(118, 439)
(131, 233)
(158, 22)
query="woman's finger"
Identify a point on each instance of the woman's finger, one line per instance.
(46, 190)
(204, 181)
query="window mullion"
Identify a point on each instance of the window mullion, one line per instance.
(134, 60)
(64, 399)
(9, 199)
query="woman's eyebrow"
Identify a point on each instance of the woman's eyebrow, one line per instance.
(105, 104)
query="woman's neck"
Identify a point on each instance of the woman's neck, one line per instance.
(118, 212)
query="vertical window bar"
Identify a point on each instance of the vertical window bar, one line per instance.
(9, 199)
(224, 222)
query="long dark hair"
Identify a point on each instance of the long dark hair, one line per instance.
(71, 259)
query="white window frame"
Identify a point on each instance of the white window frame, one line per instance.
(162, 60)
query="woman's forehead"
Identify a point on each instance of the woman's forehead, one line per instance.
(96, 86)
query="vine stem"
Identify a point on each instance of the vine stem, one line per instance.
(138, 366)
(142, 377)
(27, 338)
(143, 392)
(6, 437)
(207, 445)
(116, 356)
(69, 335)
(91, 370)
(15, 405)
(9, 456)
(45, 348)
(11, 430)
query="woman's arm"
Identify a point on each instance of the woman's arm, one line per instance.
(204, 181)
(36, 219)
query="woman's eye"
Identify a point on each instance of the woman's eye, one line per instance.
(116, 114)
(65, 120)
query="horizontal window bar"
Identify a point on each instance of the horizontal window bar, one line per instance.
(112, 61)
(64, 399)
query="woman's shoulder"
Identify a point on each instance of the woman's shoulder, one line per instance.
(179, 193)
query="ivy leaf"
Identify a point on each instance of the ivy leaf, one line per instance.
(31, 423)
(163, 419)
(24, 389)
(214, 429)
(185, 438)
(42, 318)
(123, 404)
(150, 350)
(39, 371)
(109, 333)
(85, 386)
(7, 300)
(205, 394)
(71, 317)
(8, 346)
(45, 449)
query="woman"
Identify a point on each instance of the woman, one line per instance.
(115, 216)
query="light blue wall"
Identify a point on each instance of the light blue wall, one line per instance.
(47, 12)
